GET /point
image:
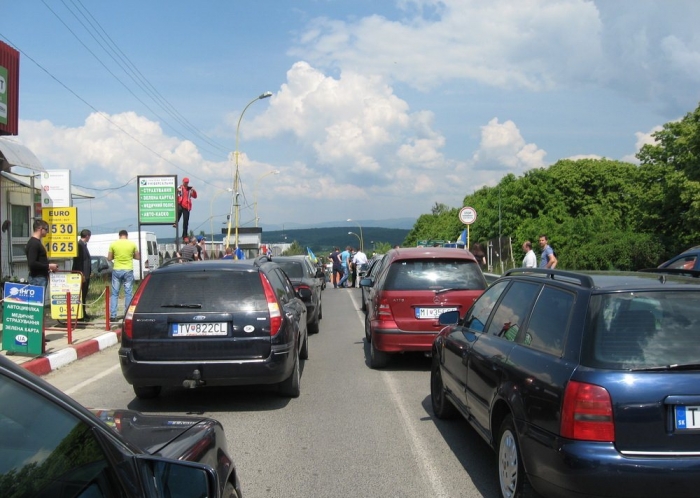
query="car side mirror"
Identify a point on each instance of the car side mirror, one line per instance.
(320, 273)
(304, 294)
(181, 478)
(449, 318)
(366, 282)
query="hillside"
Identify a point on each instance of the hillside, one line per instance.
(322, 240)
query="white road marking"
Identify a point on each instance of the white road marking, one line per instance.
(419, 447)
(89, 381)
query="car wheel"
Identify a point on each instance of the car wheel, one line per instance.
(146, 392)
(290, 387)
(377, 359)
(304, 352)
(368, 330)
(314, 326)
(229, 491)
(511, 472)
(442, 408)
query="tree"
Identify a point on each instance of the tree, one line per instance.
(294, 250)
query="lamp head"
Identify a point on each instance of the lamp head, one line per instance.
(265, 95)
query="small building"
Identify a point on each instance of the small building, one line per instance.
(20, 205)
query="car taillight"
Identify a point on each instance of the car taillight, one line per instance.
(272, 306)
(129, 315)
(384, 312)
(587, 413)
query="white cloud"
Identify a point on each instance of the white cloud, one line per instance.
(537, 45)
(643, 138)
(504, 149)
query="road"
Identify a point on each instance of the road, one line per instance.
(352, 432)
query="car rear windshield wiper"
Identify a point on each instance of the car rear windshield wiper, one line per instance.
(449, 289)
(193, 306)
(676, 366)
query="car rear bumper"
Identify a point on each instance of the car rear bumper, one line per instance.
(584, 469)
(398, 341)
(271, 370)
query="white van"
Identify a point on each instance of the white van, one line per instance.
(147, 244)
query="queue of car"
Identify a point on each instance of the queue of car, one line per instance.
(583, 383)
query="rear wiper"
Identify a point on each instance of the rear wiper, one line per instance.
(193, 306)
(448, 289)
(675, 366)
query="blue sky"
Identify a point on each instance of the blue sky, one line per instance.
(378, 109)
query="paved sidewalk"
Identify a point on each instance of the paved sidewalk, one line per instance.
(88, 338)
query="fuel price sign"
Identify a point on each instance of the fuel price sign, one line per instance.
(62, 239)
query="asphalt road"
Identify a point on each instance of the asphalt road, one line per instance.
(352, 432)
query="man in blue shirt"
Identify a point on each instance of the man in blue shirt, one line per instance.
(345, 262)
(548, 259)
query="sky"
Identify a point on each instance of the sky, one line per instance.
(378, 111)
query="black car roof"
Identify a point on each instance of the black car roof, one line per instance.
(610, 281)
(211, 265)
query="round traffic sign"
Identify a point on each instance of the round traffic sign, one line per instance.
(467, 215)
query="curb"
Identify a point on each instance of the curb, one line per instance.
(61, 358)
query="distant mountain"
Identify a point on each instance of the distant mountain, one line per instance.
(401, 223)
(322, 240)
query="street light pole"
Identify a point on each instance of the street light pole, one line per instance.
(255, 191)
(211, 210)
(358, 238)
(362, 240)
(236, 178)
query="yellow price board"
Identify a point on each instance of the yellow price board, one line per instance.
(62, 239)
(60, 284)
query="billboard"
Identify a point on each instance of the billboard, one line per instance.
(9, 89)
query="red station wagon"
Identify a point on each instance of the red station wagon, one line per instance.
(413, 287)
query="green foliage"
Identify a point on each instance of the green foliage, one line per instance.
(294, 250)
(381, 248)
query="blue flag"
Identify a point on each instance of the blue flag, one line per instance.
(463, 237)
(312, 255)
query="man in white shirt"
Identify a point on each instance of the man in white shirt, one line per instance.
(530, 260)
(360, 262)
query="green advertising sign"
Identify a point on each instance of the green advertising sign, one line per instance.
(23, 319)
(3, 95)
(157, 200)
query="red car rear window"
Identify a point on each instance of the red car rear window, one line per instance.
(431, 273)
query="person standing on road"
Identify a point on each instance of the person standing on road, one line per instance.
(530, 260)
(547, 259)
(229, 253)
(185, 194)
(345, 261)
(37, 257)
(83, 264)
(189, 250)
(359, 261)
(202, 248)
(122, 252)
(337, 269)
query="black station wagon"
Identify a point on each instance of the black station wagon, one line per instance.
(585, 384)
(215, 323)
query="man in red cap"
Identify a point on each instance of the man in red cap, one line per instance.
(185, 194)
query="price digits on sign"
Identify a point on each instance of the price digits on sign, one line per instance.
(62, 229)
(60, 247)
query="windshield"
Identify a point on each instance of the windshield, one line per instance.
(637, 330)
(293, 269)
(435, 274)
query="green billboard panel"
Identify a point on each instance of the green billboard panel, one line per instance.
(157, 200)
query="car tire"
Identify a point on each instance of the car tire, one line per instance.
(291, 386)
(147, 392)
(304, 351)
(512, 479)
(313, 326)
(377, 359)
(368, 330)
(442, 408)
